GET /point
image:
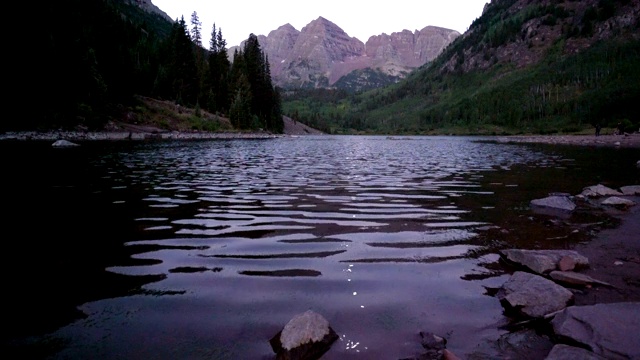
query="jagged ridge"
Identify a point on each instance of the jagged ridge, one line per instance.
(322, 53)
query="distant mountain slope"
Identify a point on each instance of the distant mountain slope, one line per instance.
(147, 6)
(523, 66)
(321, 54)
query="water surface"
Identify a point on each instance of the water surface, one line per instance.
(205, 249)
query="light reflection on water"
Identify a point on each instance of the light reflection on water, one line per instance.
(370, 232)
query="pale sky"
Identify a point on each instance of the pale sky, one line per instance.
(360, 19)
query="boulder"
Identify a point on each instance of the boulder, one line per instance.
(609, 330)
(555, 202)
(566, 352)
(532, 295)
(543, 261)
(305, 336)
(599, 191)
(631, 190)
(618, 202)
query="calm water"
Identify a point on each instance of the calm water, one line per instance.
(205, 249)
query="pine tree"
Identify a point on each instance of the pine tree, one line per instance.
(219, 67)
(240, 110)
(264, 102)
(196, 25)
(182, 66)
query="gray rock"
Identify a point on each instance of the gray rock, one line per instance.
(566, 352)
(306, 336)
(543, 261)
(566, 263)
(63, 143)
(532, 295)
(599, 190)
(618, 202)
(555, 202)
(631, 190)
(434, 345)
(574, 278)
(609, 330)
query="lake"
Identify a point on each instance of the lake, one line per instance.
(206, 249)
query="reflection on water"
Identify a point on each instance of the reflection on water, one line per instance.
(381, 236)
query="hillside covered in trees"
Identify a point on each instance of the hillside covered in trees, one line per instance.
(93, 59)
(524, 66)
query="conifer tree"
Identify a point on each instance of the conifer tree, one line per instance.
(219, 67)
(182, 66)
(196, 33)
(264, 102)
(240, 111)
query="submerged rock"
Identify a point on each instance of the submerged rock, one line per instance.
(533, 295)
(574, 278)
(436, 348)
(555, 202)
(306, 336)
(609, 330)
(566, 352)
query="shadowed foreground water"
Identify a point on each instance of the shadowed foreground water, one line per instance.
(205, 249)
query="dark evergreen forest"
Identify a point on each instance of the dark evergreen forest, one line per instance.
(87, 62)
(92, 57)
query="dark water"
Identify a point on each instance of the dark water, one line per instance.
(205, 249)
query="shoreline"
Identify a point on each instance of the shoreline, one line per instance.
(613, 141)
(130, 136)
(138, 133)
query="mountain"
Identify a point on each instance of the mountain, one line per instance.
(524, 66)
(147, 6)
(321, 54)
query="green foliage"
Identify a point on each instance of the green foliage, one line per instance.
(201, 124)
(560, 94)
(365, 80)
(564, 94)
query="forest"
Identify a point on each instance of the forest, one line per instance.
(92, 58)
(561, 93)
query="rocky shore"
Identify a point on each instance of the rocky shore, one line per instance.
(81, 136)
(583, 302)
(126, 131)
(580, 303)
(623, 141)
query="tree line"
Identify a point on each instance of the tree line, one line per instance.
(90, 59)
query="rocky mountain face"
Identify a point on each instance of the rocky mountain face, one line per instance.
(322, 53)
(535, 27)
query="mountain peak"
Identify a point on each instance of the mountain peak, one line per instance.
(322, 53)
(320, 24)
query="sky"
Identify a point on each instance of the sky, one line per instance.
(237, 19)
